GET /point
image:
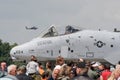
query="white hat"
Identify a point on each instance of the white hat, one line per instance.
(96, 64)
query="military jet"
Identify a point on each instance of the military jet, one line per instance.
(71, 44)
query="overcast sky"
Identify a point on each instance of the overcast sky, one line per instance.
(89, 14)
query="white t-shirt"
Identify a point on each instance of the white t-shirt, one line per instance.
(32, 67)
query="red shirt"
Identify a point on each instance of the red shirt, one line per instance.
(105, 74)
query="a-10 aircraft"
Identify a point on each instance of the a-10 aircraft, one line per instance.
(73, 44)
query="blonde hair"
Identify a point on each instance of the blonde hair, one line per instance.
(117, 72)
(113, 74)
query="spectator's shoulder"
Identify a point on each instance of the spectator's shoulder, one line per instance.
(3, 73)
(81, 78)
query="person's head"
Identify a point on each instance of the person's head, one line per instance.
(64, 71)
(3, 65)
(45, 75)
(33, 58)
(116, 73)
(48, 65)
(55, 73)
(72, 73)
(107, 66)
(101, 66)
(21, 69)
(59, 60)
(70, 64)
(94, 65)
(40, 65)
(88, 63)
(81, 68)
(12, 69)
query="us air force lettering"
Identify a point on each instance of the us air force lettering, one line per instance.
(73, 44)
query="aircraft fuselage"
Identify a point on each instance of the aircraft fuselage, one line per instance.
(86, 44)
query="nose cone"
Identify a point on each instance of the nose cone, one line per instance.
(12, 53)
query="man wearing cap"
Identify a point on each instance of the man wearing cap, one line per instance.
(82, 72)
(93, 71)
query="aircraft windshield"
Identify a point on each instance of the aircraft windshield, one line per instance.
(53, 31)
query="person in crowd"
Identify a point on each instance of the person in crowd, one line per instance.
(32, 66)
(60, 61)
(21, 73)
(70, 64)
(64, 73)
(72, 73)
(41, 70)
(55, 74)
(82, 72)
(33, 58)
(3, 66)
(112, 68)
(105, 74)
(49, 68)
(72, 69)
(3, 69)
(115, 75)
(101, 67)
(45, 76)
(118, 65)
(92, 72)
(112, 76)
(11, 69)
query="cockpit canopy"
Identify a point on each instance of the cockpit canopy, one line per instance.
(69, 29)
(52, 31)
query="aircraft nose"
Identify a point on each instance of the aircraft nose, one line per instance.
(12, 53)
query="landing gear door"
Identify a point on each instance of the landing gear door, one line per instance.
(64, 51)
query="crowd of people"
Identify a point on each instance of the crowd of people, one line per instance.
(61, 70)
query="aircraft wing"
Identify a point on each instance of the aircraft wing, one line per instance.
(113, 57)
